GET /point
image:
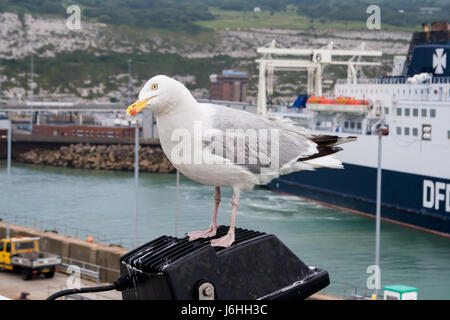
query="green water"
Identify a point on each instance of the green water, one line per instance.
(337, 241)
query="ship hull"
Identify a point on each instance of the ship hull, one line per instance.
(410, 199)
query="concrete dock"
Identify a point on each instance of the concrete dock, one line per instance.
(39, 288)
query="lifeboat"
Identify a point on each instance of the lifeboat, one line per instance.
(340, 104)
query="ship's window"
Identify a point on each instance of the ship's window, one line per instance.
(448, 134)
(415, 112)
(415, 132)
(399, 130)
(98, 134)
(399, 111)
(415, 91)
(406, 131)
(386, 110)
(424, 113)
(407, 110)
(346, 124)
(352, 125)
(358, 125)
(433, 113)
(73, 132)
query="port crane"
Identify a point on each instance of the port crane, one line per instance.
(275, 57)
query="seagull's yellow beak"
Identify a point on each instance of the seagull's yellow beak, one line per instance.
(137, 106)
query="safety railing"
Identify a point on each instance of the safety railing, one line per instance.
(65, 229)
(395, 80)
(89, 271)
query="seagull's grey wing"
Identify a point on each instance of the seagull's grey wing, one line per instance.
(256, 142)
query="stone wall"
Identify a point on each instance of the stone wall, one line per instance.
(103, 157)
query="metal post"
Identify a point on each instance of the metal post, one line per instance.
(31, 90)
(318, 80)
(9, 175)
(378, 207)
(178, 206)
(136, 181)
(261, 109)
(136, 162)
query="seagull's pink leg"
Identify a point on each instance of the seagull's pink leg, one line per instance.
(211, 231)
(228, 239)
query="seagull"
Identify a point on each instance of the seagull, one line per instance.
(224, 147)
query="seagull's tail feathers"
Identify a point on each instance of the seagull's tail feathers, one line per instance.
(326, 146)
(331, 141)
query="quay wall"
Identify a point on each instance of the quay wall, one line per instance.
(89, 153)
(91, 252)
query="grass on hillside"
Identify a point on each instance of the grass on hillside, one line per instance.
(82, 69)
(283, 20)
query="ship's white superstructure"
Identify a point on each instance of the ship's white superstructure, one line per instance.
(418, 116)
(415, 107)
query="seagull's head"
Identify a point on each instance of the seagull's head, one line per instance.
(160, 93)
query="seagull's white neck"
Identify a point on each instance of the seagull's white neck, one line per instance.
(182, 100)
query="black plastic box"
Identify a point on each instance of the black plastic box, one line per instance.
(256, 266)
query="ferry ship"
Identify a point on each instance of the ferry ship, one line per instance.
(415, 107)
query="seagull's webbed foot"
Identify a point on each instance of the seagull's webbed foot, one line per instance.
(224, 241)
(210, 232)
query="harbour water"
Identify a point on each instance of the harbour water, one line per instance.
(340, 242)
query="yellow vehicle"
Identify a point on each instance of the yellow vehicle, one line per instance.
(21, 254)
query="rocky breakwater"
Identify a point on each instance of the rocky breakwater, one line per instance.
(102, 157)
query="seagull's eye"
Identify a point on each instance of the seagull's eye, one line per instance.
(154, 86)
